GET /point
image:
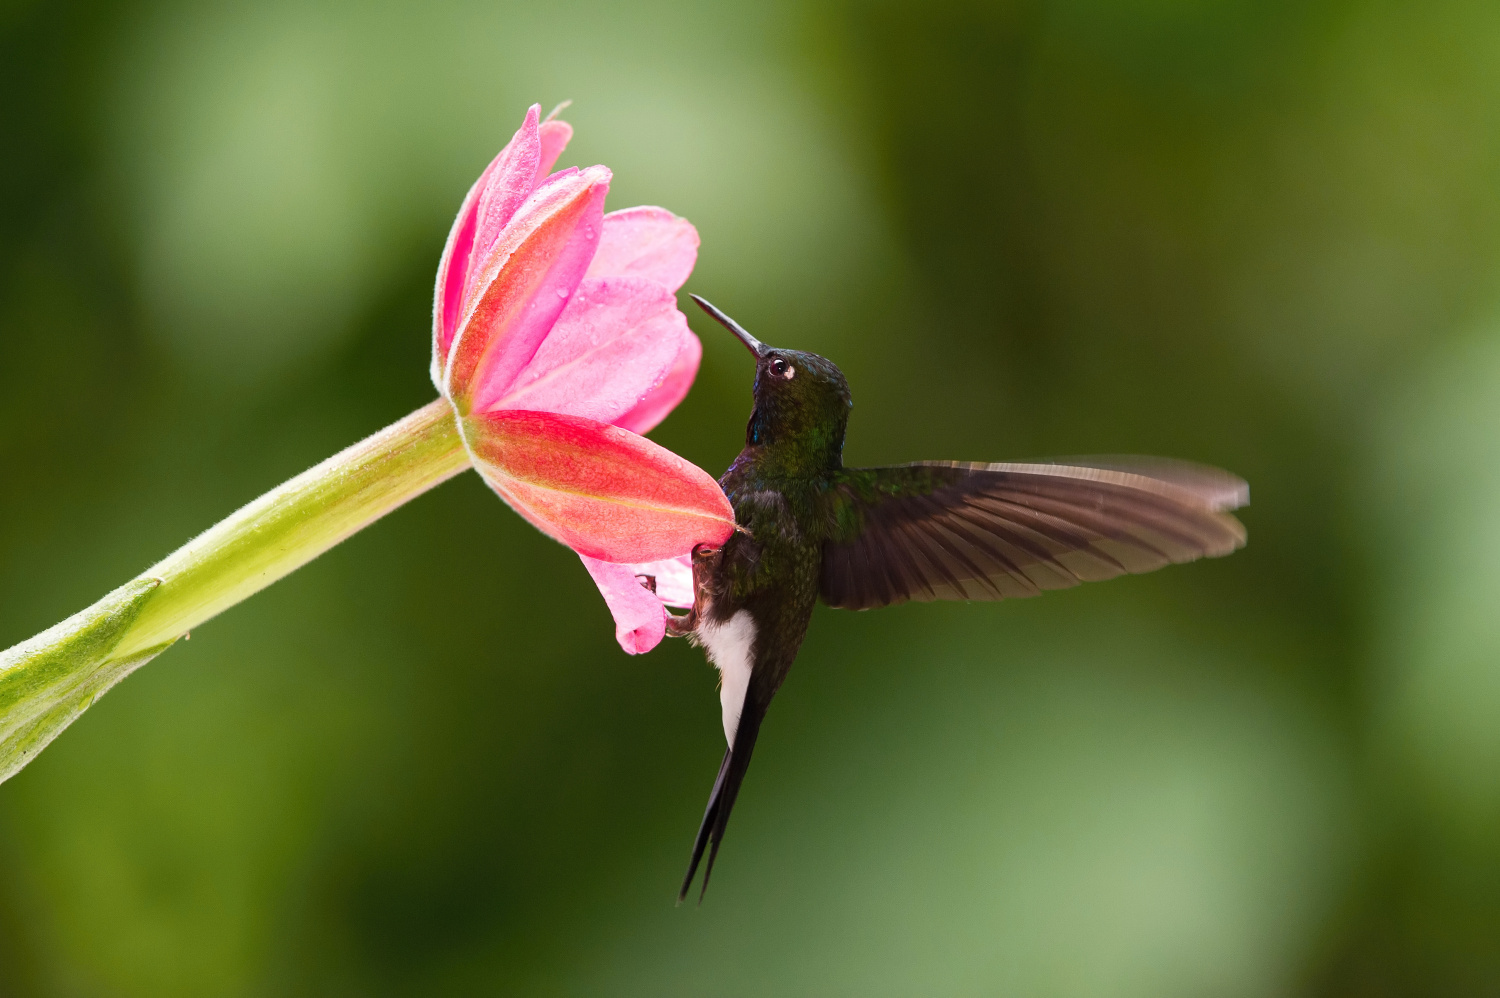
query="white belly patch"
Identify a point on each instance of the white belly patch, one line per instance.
(731, 647)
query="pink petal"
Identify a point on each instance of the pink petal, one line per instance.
(662, 399)
(453, 269)
(647, 242)
(615, 341)
(494, 192)
(674, 579)
(640, 618)
(527, 280)
(554, 137)
(603, 491)
(510, 182)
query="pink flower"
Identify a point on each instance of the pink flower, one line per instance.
(556, 337)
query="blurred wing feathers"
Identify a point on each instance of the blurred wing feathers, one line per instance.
(952, 531)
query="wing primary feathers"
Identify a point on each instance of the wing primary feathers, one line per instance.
(975, 535)
(1068, 536)
(1216, 488)
(887, 586)
(912, 551)
(859, 568)
(934, 558)
(1007, 512)
(1211, 487)
(1015, 534)
(934, 527)
(1123, 507)
(936, 530)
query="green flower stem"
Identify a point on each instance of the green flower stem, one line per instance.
(294, 523)
(49, 680)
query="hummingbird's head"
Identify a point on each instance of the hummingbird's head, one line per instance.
(802, 401)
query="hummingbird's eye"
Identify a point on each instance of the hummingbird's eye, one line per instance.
(782, 369)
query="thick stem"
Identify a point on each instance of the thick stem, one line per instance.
(294, 523)
(46, 682)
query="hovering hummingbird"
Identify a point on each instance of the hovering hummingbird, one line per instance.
(858, 538)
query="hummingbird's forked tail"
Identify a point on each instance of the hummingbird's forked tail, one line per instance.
(704, 829)
(721, 799)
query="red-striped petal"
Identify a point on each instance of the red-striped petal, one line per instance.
(604, 492)
(525, 283)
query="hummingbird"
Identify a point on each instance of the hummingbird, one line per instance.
(856, 538)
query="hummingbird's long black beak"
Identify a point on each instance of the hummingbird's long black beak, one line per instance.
(756, 346)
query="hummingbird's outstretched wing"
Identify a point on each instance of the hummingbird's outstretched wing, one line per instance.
(946, 530)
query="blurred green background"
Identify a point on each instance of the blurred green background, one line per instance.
(1264, 235)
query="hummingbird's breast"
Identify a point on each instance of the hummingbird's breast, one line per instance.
(730, 646)
(761, 588)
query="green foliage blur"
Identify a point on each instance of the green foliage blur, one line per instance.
(1262, 234)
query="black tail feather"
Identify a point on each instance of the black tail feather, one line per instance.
(721, 799)
(710, 816)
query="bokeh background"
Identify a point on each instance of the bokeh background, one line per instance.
(1263, 234)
